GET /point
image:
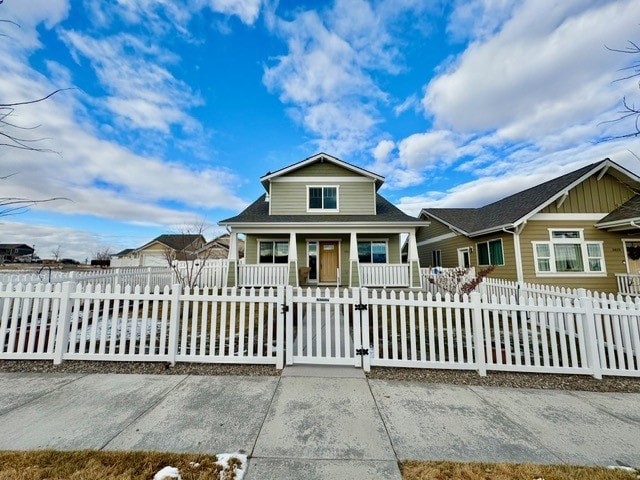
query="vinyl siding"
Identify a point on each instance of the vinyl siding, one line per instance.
(434, 230)
(291, 198)
(324, 169)
(614, 256)
(593, 196)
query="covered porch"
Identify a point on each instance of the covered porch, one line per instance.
(327, 257)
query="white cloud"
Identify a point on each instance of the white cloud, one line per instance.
(330, 64)
(479, 18)
(141, 90)
(546, 68)
(28, 14)
(383, 150)
(435, 148)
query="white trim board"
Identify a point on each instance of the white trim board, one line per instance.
(439, 238)
(323, 179)
(567, 217)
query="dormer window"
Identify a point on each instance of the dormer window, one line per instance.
(322, 198)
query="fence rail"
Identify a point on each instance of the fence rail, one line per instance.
(590, 334)
(387, 275)
(263, 275)
(628, 284)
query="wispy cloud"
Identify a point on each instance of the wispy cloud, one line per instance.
(329, 69)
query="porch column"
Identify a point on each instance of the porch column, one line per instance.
(293, 260)
(414, 261)
(354, 263)
(232, 260)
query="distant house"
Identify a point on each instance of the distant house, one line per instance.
(321, 221)
(10, 252)
(578, 230)
(218, 248)
(157, 252)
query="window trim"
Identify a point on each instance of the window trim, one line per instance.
(375, 240)
(272, 241)
(317, 210)
(436, 257)
(586, 272)
(489, 252)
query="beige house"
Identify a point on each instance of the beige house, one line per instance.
(321, 221)
(579, 230)
(156, 252)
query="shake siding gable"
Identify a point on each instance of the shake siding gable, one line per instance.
(593, 196)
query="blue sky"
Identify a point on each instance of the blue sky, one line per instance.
(178, 108)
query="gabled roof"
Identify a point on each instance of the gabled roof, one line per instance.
(624, 216)
(514, 209)
(320, 157)
(124, 252)
(258, 213)
(174, 241)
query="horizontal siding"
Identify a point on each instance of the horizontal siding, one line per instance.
(291, 199)
(435, 229)
(322, 169)
(593, 196)
(613, 255)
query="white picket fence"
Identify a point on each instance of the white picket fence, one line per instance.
(593, 335)
(628, 284)
(446, 280)
(385, 275)
(66, 322)
(500, 287)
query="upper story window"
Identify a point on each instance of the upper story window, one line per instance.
(322, 198)
(568, 252)
(490, 253)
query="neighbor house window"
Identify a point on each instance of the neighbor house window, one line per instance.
(273, 252)
(372, 252)
(490, 253)
(436, 258)
(323, 198)
(568, 252)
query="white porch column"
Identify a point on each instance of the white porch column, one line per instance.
(354, 263)
(232, 258)
(293, 260)
(414, 261)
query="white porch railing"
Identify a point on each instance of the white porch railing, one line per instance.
(386, 275)
(628, 284)
(263, 275)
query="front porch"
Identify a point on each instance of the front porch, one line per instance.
(327, 258)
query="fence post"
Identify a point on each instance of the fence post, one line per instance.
(591, 338)
(366, 338)
(174, 322)
(280, 322)
(64, 315)
(289, 323)
(478, 334)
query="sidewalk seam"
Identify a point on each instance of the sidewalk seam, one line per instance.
(152, 406)
(266, 414)
(517, 426)
(384, 424)
(600, 408)
(45, 394)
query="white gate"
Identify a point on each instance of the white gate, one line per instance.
(325, 327)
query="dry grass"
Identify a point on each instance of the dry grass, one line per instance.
(93, 465)
(414, 470)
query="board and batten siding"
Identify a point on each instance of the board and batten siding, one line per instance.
(593, 196)
(613, 250)
(356, 198)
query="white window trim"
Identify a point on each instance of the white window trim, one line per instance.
(489, 252)
(272, 240)
(376, 240)
(322, 210)
(583, 249)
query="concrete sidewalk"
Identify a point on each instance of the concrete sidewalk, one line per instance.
(325, 422)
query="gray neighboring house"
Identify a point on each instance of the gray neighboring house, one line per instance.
(324, 219)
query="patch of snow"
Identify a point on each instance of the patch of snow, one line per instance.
(166, 473)
(223, 461)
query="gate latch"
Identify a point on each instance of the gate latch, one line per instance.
(362, 351)
(285, 308)
(359, 307)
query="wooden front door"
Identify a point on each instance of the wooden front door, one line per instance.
(329, 262)
(632, 253)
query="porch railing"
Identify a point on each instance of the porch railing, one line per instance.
(263, 275)
(385, 275)
(628, 284)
